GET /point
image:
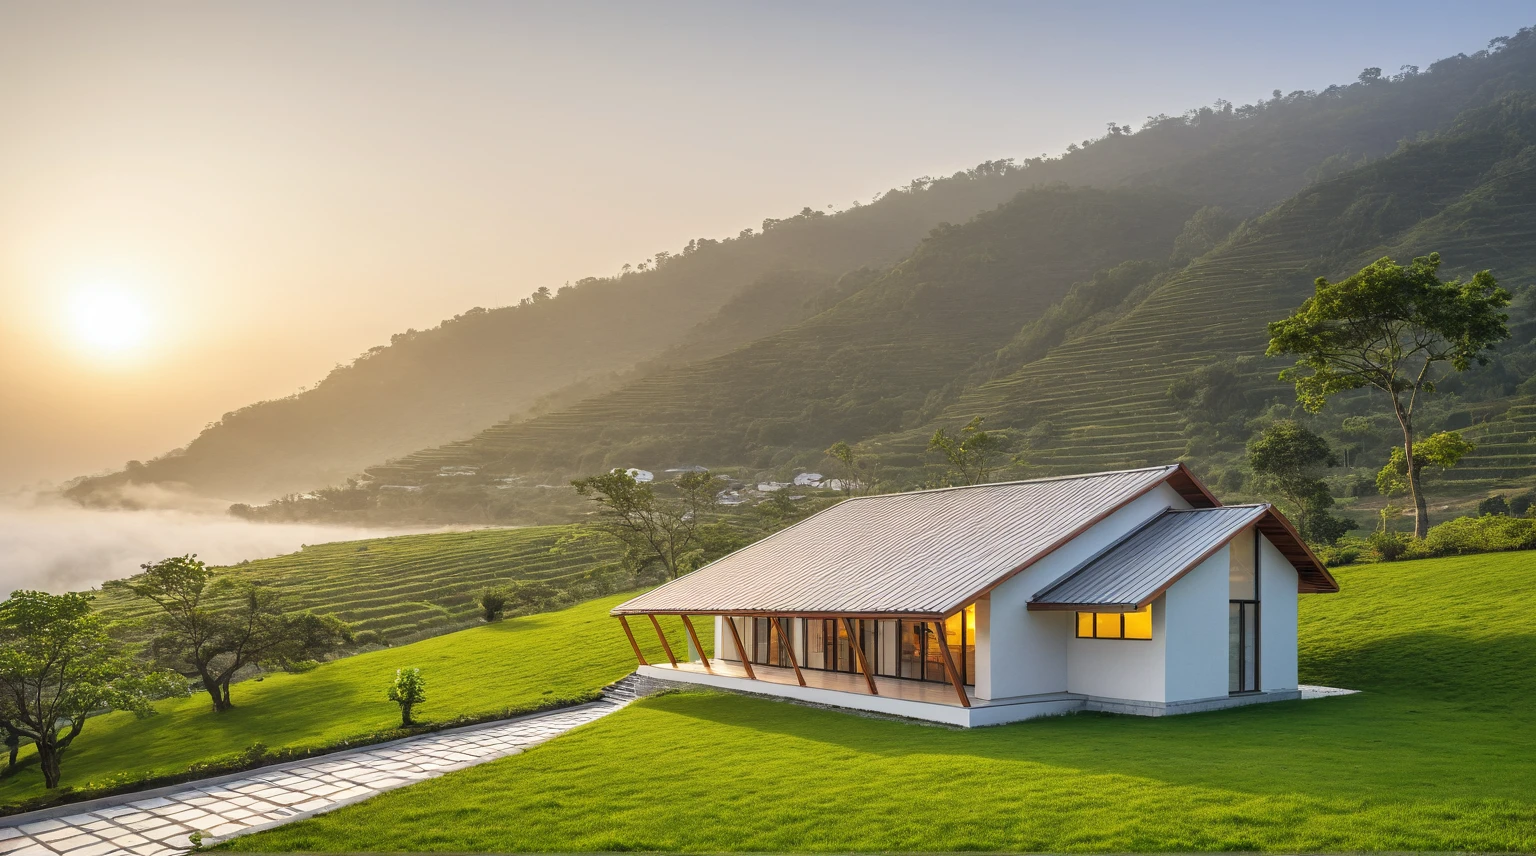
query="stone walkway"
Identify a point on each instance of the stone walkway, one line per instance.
(234, 805)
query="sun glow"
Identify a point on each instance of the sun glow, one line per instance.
(108, 322)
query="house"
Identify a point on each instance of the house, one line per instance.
(808, 480)
(1133, 592)
(772, 486)
(640, 476)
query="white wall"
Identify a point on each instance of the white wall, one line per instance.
(1026, 652)
(1277, 620)
(1120, 668)
(1196, 631)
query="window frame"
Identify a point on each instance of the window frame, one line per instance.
(1094, 617)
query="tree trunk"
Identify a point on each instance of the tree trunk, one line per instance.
(1415, 489)
(10, 766)
(48, 759)
(405, 715)
(1420, 505)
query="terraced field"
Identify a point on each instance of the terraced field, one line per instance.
(410, 586)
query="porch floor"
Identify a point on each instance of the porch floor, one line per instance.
(895, 688)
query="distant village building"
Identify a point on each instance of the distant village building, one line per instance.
(401, 488)
(771, 486)
(808, 480)
(729, 497)
(1128, 592)
(691, 468)
(640, 476)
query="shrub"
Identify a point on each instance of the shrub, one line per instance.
(492, 602)
(1520, 503)
(1388, 546)
(1493, 505)
(1343, 554)
(1489, 534)
(408, 690)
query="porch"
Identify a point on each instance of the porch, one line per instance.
(894, 696)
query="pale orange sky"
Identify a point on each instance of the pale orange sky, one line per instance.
(282, 185)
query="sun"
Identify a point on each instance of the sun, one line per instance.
(109, 322)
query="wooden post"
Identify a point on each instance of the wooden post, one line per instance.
(741, 650)
(949, 664)
(692, 634)
(663, 637)
(789, 648)
(632, 643)
(857, 645)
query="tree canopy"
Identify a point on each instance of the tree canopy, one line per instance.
(214, 628)
(1391, 327)
(58, 666)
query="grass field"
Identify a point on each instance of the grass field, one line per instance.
(515, 664)
(409, 586)
(1436, 754)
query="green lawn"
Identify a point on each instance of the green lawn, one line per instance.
(514, 664)
(1438, 753)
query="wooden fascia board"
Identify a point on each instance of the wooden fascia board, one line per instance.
(770, 613)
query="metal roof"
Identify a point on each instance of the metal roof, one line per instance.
(922, 553)
(1133, 571)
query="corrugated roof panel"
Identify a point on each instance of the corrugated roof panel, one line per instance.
(924, 552)
(1132, 571)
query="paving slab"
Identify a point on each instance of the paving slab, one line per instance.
(234, 805)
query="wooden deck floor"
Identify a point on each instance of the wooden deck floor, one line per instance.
(921, 691)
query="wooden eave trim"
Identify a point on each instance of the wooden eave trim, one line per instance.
(775, 613)
(1329, 585)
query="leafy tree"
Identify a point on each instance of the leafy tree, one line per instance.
(1493, 505)
(653, 530)
(1287, 460)
(1520, 503)
(855, 472)
(1444, 449)
(408, 690)
(205, 633)
(1389, 327)
(58, 666)
(492, 602)
(972, 455)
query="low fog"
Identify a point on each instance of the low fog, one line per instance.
(57, 546)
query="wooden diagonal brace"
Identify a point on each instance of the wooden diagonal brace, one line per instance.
(857, 645)
(949, 664)
(632, 643)
(665, 646)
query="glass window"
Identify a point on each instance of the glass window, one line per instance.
(1242, 577)
(815, 643)
(1115, 625)
(1138, 625)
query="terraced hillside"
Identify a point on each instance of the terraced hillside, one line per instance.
(409, 586)
(1467, 194)
(864, 366)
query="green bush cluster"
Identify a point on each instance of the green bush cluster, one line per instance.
(1487, 533)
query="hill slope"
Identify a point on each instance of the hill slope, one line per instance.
(864, 366)
(1466, 194)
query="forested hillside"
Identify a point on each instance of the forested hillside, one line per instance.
(1107, 397)
(1065, 313)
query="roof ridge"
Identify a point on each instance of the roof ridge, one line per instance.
(1040, 480)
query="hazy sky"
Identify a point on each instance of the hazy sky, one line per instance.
(260, 191)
